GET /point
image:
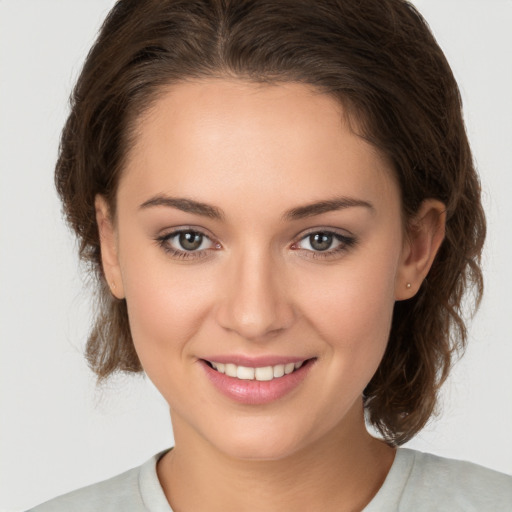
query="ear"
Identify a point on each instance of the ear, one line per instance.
(108, 244)
(424, 236)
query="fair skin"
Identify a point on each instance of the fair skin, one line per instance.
(262, 280)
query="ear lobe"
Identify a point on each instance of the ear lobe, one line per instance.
(108, 245)
(424, 237)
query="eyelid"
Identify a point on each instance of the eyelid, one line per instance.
(343, 233)
(176, 230)
(163, 238)
(345, 238)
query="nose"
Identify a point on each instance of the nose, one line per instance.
(255, 302)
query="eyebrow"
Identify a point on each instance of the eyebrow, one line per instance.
(331, 205)
(297, 213)
(185, 205)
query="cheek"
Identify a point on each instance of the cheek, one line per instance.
(351, 308)
(166, 304)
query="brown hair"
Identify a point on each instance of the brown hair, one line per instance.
(378, 58)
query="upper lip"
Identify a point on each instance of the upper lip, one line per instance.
(254, 362)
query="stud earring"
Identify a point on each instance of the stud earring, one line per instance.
(408, 286)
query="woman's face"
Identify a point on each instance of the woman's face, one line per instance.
(255, 230)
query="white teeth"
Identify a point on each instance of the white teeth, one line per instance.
(264, 373)
(288, 368)
(245, 373)
(230, 370)
(278, 370)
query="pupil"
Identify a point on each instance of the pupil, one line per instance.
(190, 240)
(320, 241)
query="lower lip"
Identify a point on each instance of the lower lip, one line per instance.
(255, 392)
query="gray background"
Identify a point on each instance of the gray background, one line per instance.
(57, 431)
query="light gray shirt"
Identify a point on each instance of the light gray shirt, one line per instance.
(416, 482)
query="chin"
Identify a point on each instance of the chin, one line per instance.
(258, 449)
(261, 440)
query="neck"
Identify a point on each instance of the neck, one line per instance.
(342, 471)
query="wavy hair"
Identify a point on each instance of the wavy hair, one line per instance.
(376, 57)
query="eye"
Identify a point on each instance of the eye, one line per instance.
(190, 240)
(324, 244)
(319, 241)
(186, 243)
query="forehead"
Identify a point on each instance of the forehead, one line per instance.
(224, 137)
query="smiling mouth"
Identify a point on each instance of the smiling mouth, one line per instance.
(262, 373)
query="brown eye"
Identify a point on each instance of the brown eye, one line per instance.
(321, 241)
(190, 240)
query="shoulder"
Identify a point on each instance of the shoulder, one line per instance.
(112, 494)
(447, 484)
(134, 490)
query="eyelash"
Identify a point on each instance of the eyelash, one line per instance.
(345, 243)
(164, 241)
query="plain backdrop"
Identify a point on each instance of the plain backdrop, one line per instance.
(57, 430)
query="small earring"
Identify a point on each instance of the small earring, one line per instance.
(408, 286)
(113, 285)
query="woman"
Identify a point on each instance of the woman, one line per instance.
(279, 202)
